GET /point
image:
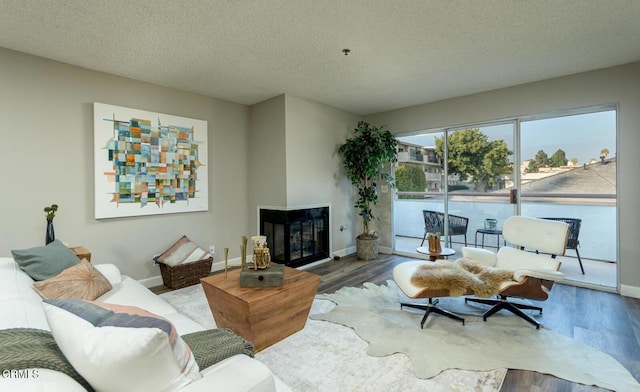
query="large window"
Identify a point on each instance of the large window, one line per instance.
(557, 165)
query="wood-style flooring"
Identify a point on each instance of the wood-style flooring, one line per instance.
(606, 321)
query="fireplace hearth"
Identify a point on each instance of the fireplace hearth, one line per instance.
(296, 237)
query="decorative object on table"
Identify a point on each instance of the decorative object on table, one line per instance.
(261, 254)
(261, 273)
(50, 212)
(226, 259)
(183, 264)
(364, 157)
(243, 252)
(164, 158)
(433, 239)
(270, 277)
(490, 224)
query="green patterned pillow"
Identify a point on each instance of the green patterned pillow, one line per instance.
(28, 348)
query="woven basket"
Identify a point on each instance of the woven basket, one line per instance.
(183, 275)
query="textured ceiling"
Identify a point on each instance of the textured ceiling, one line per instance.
(403, 52)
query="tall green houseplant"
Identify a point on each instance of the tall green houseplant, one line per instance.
(364, 156)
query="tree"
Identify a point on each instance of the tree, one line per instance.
(410, 178)
(559, 158)
(475, 158)
(540, 160)
(574, 161)
(364, 156)
(603, 154)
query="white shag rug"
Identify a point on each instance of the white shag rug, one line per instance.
(325, 356)
(503, 341)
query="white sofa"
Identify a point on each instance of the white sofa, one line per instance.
(21, 307)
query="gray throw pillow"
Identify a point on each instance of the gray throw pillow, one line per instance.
(44, 262)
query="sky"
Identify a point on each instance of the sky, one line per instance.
(580, 136)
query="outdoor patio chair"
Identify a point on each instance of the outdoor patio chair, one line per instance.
(434, 223)
(574, 232)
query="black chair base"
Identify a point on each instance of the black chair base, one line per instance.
(502, 303)
(432, 308)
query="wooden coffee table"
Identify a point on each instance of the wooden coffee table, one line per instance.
(263, 316)
(444, 253)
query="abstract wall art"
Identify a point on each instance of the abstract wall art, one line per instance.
(148, 163)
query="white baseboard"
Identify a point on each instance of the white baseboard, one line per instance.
(315, 263)
(386, 250)
(345, 252)
(630, 291)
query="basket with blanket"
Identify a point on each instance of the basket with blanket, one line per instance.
(183, 264)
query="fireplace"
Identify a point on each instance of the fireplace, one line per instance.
(296, 237)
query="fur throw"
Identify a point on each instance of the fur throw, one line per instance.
(460, 276)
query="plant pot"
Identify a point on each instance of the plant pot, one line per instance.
(367, 248)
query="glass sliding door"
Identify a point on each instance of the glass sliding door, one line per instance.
(568, 170)
(467, 174)
(420, 185)
(558, 166)
(480, 178)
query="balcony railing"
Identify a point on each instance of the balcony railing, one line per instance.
(598, 234)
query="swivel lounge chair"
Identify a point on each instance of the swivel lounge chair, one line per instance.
(402, 274)
(534, 274)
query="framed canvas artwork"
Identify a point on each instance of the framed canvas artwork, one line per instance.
(148, 163)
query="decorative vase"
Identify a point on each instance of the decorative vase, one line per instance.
(434, 242)
(50, 235)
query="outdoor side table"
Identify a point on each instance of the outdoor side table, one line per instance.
(496, 232)
(443, 254)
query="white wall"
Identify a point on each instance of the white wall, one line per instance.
(267, 157)
(619, 85)
(314, 168)
(47, 131)
(46, 110)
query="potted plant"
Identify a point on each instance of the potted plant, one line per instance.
(364, 156)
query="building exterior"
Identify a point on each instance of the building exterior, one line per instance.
(427, 160)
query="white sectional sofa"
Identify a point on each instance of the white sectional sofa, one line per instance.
(22, 307)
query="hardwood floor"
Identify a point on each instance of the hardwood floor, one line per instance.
(606, 321)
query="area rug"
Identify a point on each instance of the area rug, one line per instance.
(325, 356)
(504, 341)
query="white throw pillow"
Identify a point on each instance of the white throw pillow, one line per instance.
(118, 348)
(110, 271)
(182, 252)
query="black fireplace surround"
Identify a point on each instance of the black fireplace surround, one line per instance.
(296, 237)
